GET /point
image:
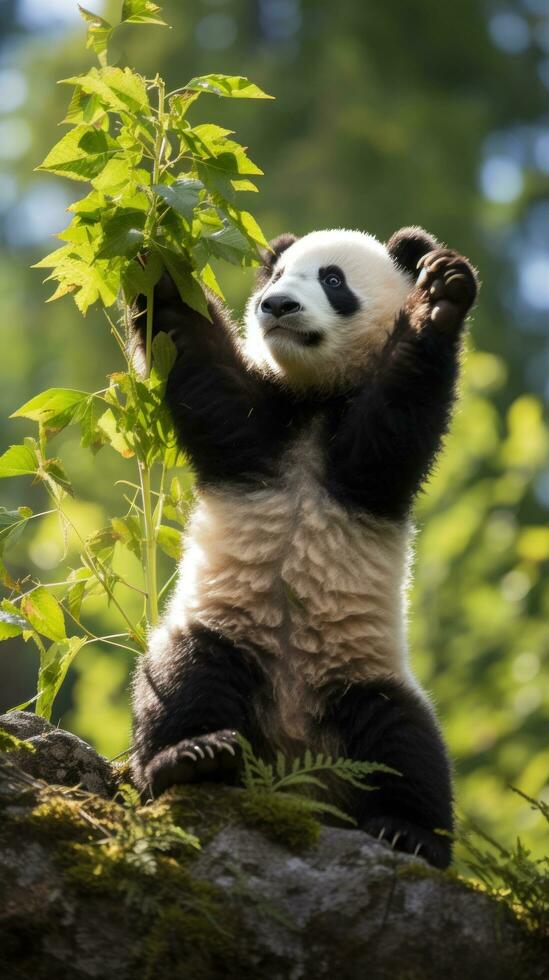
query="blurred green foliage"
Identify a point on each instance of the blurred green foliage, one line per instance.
(382, 118)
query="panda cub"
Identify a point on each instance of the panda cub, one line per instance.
(310, 439)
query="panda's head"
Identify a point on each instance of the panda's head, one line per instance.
(325, 303)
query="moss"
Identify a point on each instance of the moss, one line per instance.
(195, 934)
(10, 743)
(281, 818)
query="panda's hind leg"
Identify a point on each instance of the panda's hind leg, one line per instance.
(388, 723)
(194, 692)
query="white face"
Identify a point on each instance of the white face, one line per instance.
(330, 303)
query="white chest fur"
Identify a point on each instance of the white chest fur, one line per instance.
(283, 569)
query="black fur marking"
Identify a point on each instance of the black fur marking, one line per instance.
(233, 422)
(341, 298)
(270, 256)
(387, 723)
(408, 245)
(203, 684)
(382, 439)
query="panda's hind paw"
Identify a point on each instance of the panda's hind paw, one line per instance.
(213, 756)
(449, 284)
(401, 835)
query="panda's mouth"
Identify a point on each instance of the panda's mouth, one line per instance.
(304, 338)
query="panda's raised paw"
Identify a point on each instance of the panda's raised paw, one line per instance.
(448, 282)
(192, 760)
(401, 835)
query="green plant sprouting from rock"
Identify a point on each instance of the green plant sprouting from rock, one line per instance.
(297, 778)
(163, 195)
(511, 874)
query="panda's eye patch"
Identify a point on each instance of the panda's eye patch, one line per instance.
(332, 277)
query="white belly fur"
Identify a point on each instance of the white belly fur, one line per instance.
(284, 569)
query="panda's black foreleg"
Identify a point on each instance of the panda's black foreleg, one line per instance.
(191, 698)
(386, 722)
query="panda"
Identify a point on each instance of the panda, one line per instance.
(310, 437)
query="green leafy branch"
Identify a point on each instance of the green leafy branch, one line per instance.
(162, 197)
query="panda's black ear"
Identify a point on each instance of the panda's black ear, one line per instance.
(407, 246)
(270, 256)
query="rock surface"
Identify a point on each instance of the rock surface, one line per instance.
(58, 756)
(243, 907)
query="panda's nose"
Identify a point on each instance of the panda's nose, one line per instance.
(279, 305)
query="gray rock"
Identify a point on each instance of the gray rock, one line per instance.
(352, 908)
(25, 724)
(59, 757)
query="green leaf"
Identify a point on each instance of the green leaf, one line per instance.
(44, 613)
(88, 417)
(188, 288)
(101, 543)
(228, 86)
(249, 226)
(54, 408)
(128, 532)
(86, 109)
(115, 177)
(12, 523)
(11, 624)
(169, 540)
(122, 234)
(93, 206)
(183, 195)
(111, 433)
(164, 354)
(54, 664)
(19, 461)
(141, 12)
(141, 276)
(99, 33)
(81, 154)
(54, 474)
(119, 89)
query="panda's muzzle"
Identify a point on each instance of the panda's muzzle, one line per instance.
(279, 305)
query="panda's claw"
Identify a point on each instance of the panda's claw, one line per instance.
(409, 838)
(204, 757)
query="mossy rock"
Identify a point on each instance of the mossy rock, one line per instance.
(94, 887)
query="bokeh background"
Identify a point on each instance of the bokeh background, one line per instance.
(385, 115)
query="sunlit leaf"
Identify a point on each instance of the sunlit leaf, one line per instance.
(54, 664)
(107, 424)
(128, 532)
(99, 33)
(119, 89)
(169, 540)
(44, 613)
(80, 155)
(141, 12)
(228, 86)
(19, 461)
(12, 524)
(55, 408)
(11, 624)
